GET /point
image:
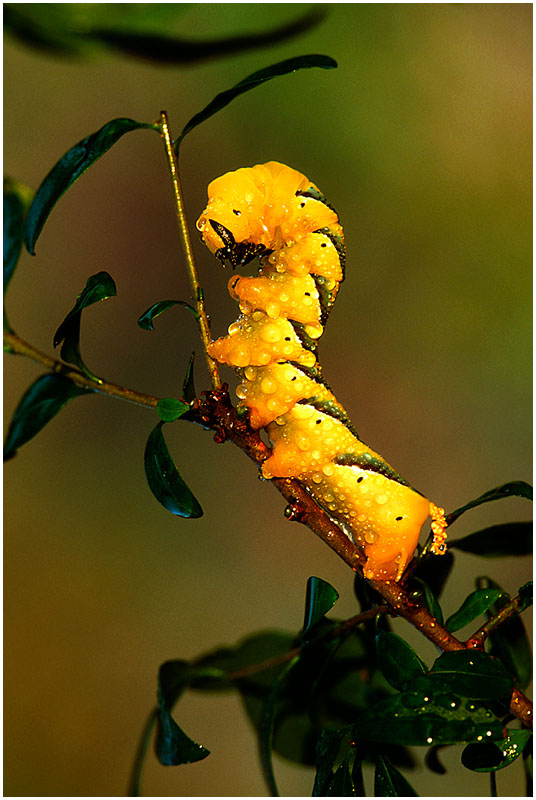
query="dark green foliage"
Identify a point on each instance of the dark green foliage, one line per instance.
(509, 643)
(320, 598)
(512, 489)
(164, 479)
(491, 756)
(134, 31)
(17, 200)
(251, 82)
(397, 660)
(146, 319)
(40, 403)
(389, 782)
(473, 606)
(509, 539)
(173, 746)
(69, 168)
(98, 287)
(188, 387)
(169, 409)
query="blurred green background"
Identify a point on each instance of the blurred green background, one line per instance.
(422, 141)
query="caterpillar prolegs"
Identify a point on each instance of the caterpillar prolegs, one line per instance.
(274, 213)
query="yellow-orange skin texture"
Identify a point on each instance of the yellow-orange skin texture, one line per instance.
(260, 205)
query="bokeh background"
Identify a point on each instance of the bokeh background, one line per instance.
(422, 140)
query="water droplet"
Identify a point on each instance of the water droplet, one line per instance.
(429, 740)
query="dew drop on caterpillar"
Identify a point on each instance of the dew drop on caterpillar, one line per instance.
(274, 213)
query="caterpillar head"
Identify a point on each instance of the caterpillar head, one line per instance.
(222, 241)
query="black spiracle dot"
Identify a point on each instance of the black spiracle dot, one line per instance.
(360, 479)
(318, 421)
(323, 244)
(287, 339)
(399, 518)
(237, 212)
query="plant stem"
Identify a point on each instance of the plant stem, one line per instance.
(343, 627)
(17, 346)
(197, 291)
(508, 610)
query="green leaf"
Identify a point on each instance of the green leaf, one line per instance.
(98, 287)
(188, 387)
(509, 643)
(179, 50)
(508, 539)
(69, 168)
(423, 718)
(320, 598)
(491, 756)
(330, 744)
(513, 489)
(473, 606)
(173, 746)
(164, 479)
(342, 783)
(430, 600)
(251, 82)
(266, 728)
(17, 200)
(526, 595)
(389, 782)
(397, 659)
(473, 674)
(169, 409)
(41, 402)
(147, 318)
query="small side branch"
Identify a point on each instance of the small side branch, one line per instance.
(514, 606)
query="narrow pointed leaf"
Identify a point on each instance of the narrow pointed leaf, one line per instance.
(173, 746)
(389, 782)
(491, 756)
(147, 318)
(328, 755)
(342, 783)
(188, 387)
(164, 479)
(98, 287)
(69, 168)
(508, 539)
(397, 660)
(513, 489)
(251, 82)
(17, 200)
(169, 409)
(432, 604)
(473, 606)
(42, 401)
(178, 50)
(320, 598)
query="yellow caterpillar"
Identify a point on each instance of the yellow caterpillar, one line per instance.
(275, 213)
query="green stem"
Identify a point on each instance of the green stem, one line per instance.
(514, 606)
(197, 291)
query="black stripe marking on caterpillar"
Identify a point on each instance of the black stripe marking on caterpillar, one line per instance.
(275, 213)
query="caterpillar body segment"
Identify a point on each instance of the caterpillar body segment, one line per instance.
(275, 213)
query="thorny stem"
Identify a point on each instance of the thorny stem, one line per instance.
(197, 291)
